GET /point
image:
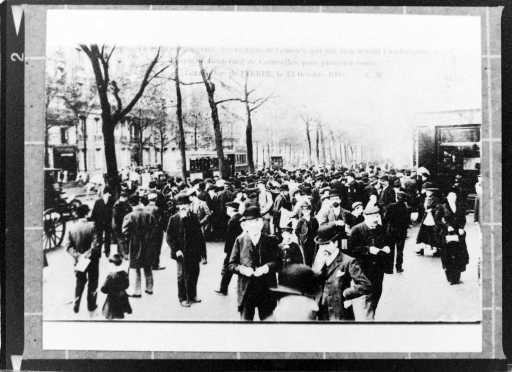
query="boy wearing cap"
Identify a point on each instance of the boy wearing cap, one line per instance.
(188, 248)
(371, 245)
(255, 258)
(356, 216)
(233, 230)
(115, 285)
(341, 276)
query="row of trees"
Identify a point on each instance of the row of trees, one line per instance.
(150, 97)
(114, 109)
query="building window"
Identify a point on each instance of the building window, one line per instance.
(63, 135)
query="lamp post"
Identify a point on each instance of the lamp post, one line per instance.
(84, 135)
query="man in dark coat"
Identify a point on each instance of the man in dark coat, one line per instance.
(341, 276)
(232, 231)
(83, 243)
(282, 201)
(397, 220)
(386, 195)
(256, 259)
(158, 230)
(120, 209)
(371, 245)
(188, 248)
(137, 232)
(101, 215)
(306, 229)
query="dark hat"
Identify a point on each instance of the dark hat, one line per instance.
(82, 210)
(182, 198)
(233, 204)
(211, 187)
(430, 186)
(396, 183)
(297, 279)
(334, 192)
(327, 233)
(116, 259)
(401, 194)
(384, 178)
(107, 189)
(371, 209)
(284, 187)
(251, 213)
(356, 204)
(351, 174)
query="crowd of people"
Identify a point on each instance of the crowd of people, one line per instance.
(307, 244)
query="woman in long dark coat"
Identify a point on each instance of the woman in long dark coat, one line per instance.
(431, 227)
(454, 255)
(116, 283)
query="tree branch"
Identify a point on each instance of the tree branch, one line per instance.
(229, 100)
(115, 92)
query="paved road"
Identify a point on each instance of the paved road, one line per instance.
(420, 293)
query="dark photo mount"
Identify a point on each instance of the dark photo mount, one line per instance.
(12, 134)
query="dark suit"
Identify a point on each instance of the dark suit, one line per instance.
(282, 201)
(454, 255)
(253, 292)
(374, 266)
(337, 288)
(397, 219)
(291, 254)
(306, 232)
(386, 197)
(101, 215)
(184, 234)
(120, 209)
(233, 230)
(82, 239)
(157, 233)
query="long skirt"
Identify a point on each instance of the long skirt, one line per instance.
(428, 235)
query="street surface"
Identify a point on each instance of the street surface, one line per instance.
(420, 293)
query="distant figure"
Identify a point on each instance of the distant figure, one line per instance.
(116, 283)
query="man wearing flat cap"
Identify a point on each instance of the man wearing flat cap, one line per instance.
(370, 245)
(341, 276)
(255, 259)
(188, 248)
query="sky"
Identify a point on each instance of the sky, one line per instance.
(367, 74)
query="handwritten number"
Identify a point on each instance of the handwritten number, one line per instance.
(16, 57)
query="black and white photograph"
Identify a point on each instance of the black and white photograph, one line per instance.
(211, 166)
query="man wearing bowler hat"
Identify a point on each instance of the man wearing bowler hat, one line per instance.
(341, 276)
(188, 248)
(371, 245)
(256, 259)
(296, 294)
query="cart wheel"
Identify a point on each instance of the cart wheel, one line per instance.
(54, 229)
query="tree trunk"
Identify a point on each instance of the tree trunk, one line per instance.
(179, 117)
(248, 139)
(217, 130)
(308, 137)
(162, 144)
(110, 156)
(317, 145)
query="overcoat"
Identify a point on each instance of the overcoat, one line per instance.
(184, 234)
(306, 232)
(454, 255)
(342, 280)
(137, 232)
(245, 253)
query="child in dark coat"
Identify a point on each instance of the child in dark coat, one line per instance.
(116, 283)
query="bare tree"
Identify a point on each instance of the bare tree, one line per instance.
(100, 62)
(307, 123)
(217, 130)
